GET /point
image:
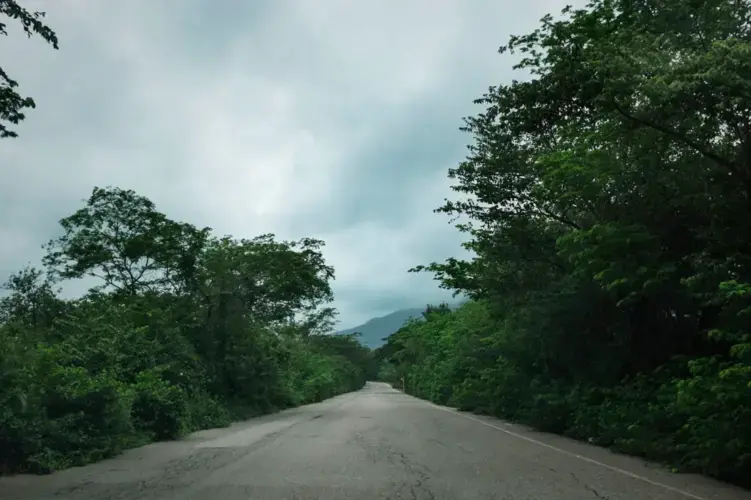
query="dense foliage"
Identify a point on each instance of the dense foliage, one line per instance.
(181, 331)
(607, 200)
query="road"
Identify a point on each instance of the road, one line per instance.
(376, 443)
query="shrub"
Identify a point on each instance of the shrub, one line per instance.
(159, 408)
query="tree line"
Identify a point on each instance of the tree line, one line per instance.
(182, 330)
(606, 198)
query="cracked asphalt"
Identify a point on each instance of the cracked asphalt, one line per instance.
(376, 443)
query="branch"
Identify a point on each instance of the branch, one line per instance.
(681, 137)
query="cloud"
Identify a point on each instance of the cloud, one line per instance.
(334, 119)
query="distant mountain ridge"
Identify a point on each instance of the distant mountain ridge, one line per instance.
(375, 330)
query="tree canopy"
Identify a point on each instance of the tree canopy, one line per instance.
(181, 330)
(607, 200)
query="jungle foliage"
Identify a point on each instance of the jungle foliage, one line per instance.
(182, 330)
(607, 200)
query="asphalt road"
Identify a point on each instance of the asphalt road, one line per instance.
(376, 443)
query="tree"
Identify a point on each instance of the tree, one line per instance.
(272, 280)
(623, 165)
(187, 331)
(12, 103)
(607, 199)
(120, 238)
(32, 300)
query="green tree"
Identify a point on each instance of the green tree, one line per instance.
(620, 165)
(251, 286)
(187, 331)
(120, 238)
(32, 300)
(606, 200)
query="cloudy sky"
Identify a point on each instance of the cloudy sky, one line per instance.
(335, 119)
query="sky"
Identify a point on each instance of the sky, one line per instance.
(331, 119)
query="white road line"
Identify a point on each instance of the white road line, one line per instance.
(567, 453)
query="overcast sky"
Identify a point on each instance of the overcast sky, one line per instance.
(335, 119)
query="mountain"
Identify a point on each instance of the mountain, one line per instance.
(375, 330)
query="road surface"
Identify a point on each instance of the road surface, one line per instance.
(376, 443)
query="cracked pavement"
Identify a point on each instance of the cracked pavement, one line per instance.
(376, 443)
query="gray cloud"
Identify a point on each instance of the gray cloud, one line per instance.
(336, 120)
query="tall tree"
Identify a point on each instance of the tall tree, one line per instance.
(623, 165)
(120, 238)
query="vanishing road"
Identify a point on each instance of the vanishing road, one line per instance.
(376, 443)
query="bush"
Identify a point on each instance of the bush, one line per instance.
(693, 414)
(86, 418)
(206, 412)
(160, 409)
(189, 331)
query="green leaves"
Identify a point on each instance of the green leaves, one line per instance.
(120, 238)
(186, 331)
(12, 104)
(606, 201)
(159, 408)
(274, 280)
(621, 164)
(32, 300)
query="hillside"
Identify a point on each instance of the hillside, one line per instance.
(375, 330)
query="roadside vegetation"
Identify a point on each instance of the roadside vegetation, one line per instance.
(607, 197)
(182, 331)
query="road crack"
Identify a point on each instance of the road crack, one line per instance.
(418, 490)
(589, 488)
(417, 486)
